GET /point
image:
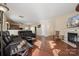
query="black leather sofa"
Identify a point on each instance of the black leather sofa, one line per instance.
(27, 35)
(9, 41)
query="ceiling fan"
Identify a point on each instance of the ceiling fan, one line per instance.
(77, 8)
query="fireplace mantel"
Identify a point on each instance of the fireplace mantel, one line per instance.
(71, 30)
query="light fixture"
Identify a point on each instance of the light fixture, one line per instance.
(4, 8)
(6, 22)
(21, 16)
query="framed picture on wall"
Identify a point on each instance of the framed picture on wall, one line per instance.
(39, 25)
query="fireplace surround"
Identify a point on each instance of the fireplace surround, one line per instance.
(73, 37)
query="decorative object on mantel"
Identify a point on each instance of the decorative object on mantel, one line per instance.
(73, 22)
(77, 8)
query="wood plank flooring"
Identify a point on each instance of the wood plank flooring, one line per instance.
(51, 47)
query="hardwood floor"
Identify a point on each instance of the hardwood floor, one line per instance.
(51, 47)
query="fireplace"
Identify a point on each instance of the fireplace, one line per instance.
(72, 37)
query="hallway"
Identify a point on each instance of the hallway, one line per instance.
(50, 47)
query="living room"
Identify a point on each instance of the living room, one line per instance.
(51, 26)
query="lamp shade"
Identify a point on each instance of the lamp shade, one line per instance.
(3, 8)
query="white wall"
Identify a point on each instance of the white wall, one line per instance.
(39, 31)
(42, 31)
(61, 22)
(46, 28)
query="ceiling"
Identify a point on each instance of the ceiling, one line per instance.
(34, 12)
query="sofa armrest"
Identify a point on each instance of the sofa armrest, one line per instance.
(14, 43)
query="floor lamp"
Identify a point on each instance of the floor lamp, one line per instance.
(3, 9)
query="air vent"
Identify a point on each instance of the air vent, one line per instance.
(21, 16)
